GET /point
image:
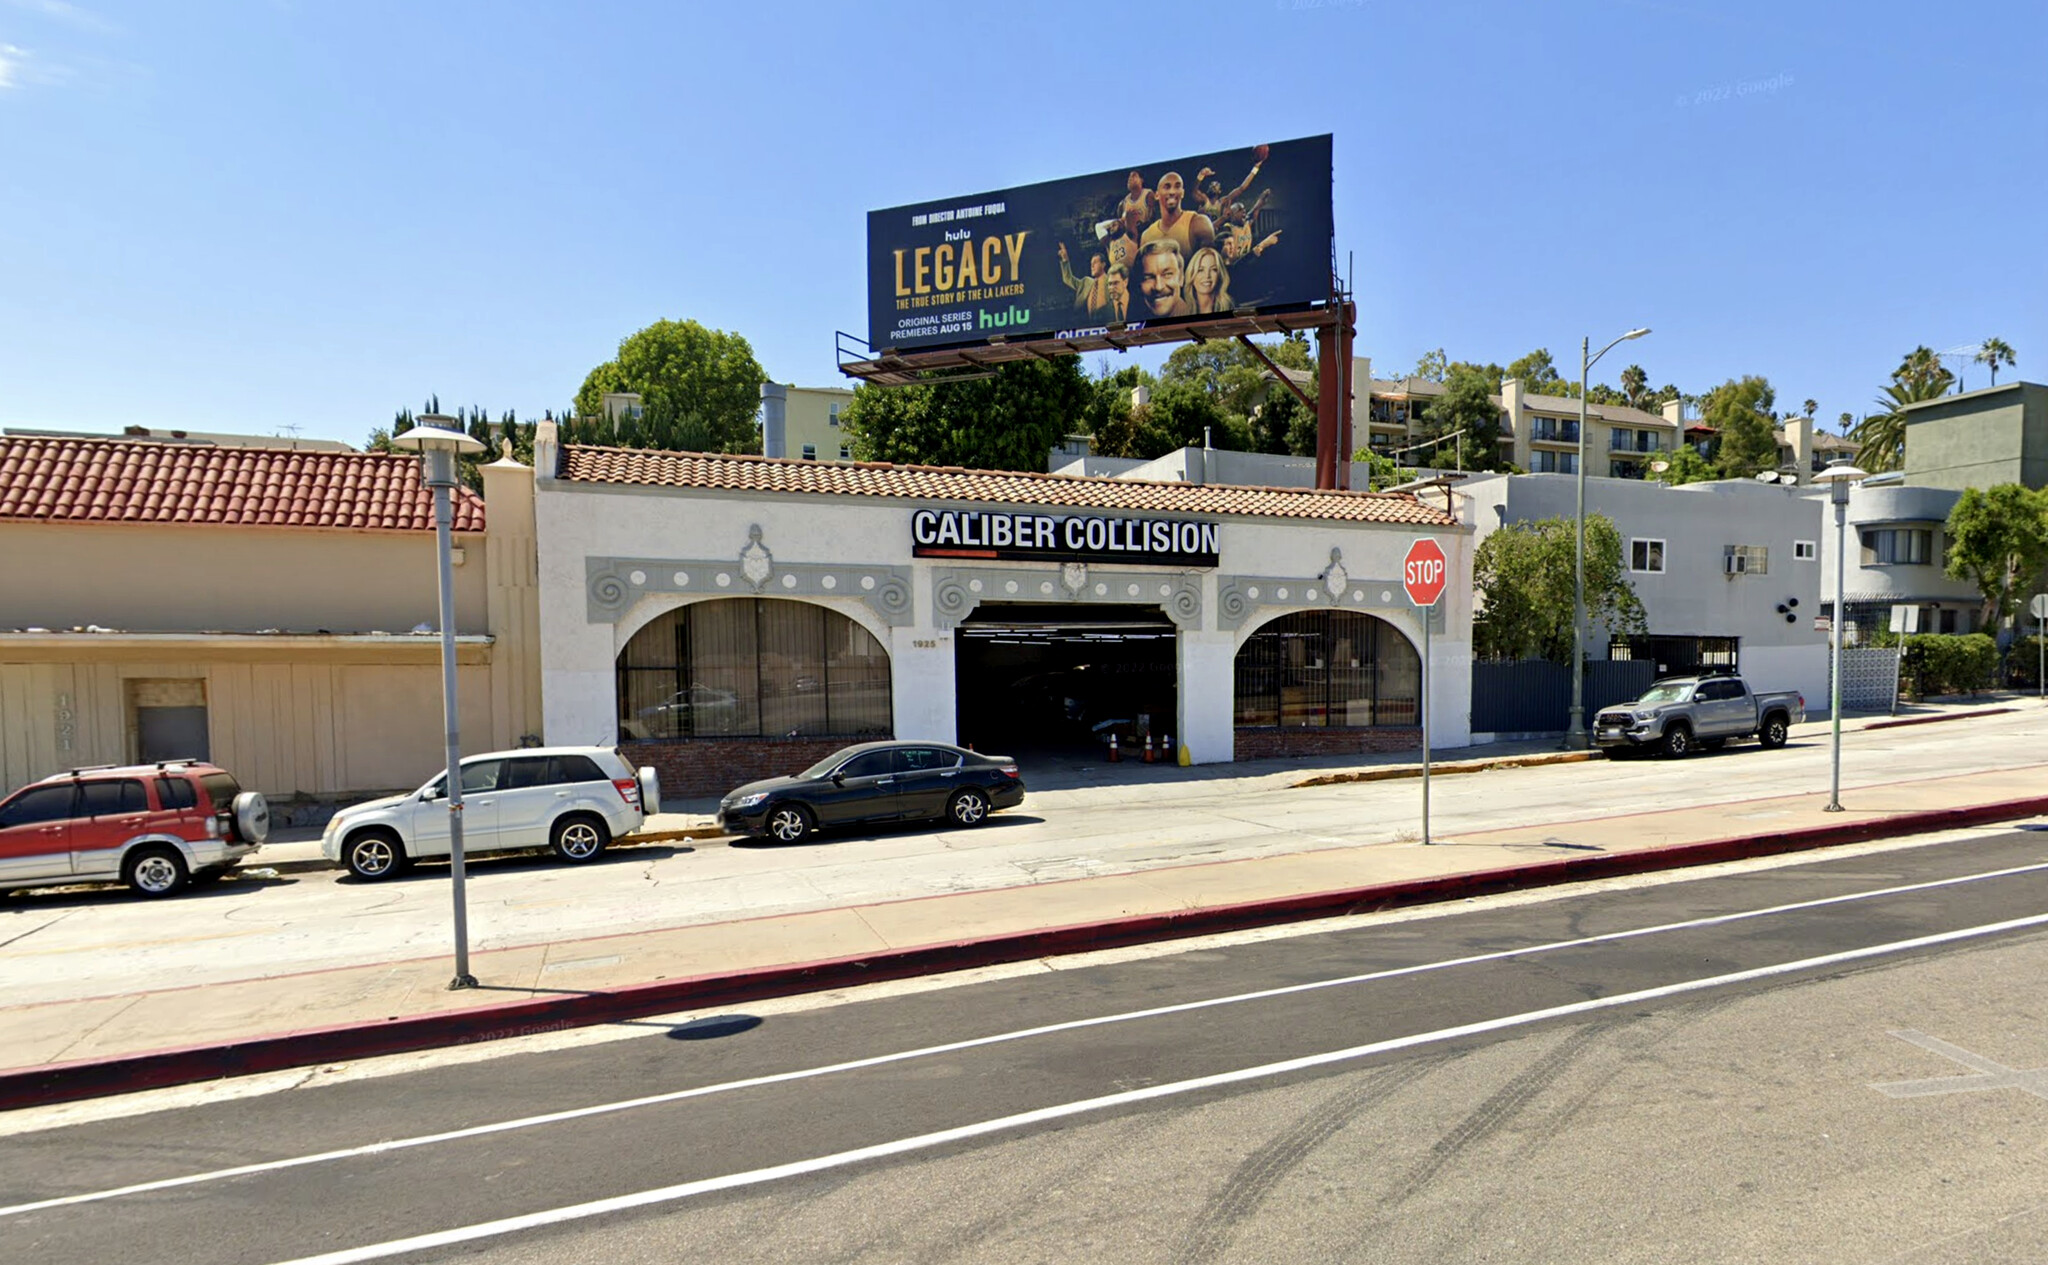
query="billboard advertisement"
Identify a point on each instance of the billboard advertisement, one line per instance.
(1169, 242)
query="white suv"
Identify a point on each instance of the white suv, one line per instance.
(575, 800)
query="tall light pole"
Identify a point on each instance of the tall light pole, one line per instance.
(1575, 735)
(1838, 476)
(439, 440)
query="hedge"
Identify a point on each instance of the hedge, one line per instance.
(1940, 663)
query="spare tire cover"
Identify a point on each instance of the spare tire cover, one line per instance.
(252, 816)
(650, 790)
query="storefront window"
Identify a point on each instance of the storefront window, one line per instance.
(753, 667)
(1328, 669)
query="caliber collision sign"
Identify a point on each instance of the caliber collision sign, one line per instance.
(1157, 542)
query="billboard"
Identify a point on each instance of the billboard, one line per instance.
(1169, 242)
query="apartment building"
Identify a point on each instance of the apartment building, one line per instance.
(804, 422)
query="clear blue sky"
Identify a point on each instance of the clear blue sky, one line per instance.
(248, 215)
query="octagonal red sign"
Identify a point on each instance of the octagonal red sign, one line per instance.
(1424, 572)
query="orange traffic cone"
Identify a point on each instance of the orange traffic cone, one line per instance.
(1115, 756)
(1148, 748)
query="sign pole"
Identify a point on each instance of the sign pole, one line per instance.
(2040, 607)
(1424, 573)
(1425, 726)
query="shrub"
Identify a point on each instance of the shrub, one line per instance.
(1938, 663)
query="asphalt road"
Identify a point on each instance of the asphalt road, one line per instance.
(105, 942)
(1733, 1065)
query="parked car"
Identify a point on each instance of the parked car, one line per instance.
(1680, 713)
(701, 709)
(155, 827)
(875, 781)
(573, 800)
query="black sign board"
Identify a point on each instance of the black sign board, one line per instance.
(1183, 240)
(1123, 540)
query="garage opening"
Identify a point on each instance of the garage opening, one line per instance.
(1059, 680)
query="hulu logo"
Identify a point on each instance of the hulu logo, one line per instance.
(1015, 316)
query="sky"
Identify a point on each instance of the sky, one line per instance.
(288, 217)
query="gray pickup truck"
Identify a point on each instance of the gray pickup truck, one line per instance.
(1681, 713)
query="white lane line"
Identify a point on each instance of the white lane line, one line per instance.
(944, 1137)
(952, 1047)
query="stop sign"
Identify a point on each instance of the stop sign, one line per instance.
(1424, 572)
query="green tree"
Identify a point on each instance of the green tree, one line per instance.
(1523, 574)
(1109, 416)
(1381, 471)
(1467, 405)
(1684, 465)
(1432, 367)
(1008, 421)
(1808, 409)
(1881, 436)
(700, 389)
(1998, 541)
(1740, 412)
(1539, 374)
(1994, 352)
(1635, 386)
(473, 421)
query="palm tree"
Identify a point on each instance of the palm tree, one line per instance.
(1995, 352)
(1922, 366)
(1881, 437)
(1810, 408)
(1635, 385)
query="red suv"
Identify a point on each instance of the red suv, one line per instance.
(154, 827)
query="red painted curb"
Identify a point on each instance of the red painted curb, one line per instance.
(1935, 720)
(65, 1082)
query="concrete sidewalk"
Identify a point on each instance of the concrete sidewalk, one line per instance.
(71, 1049)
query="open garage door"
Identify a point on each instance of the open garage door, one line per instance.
(1061, 679)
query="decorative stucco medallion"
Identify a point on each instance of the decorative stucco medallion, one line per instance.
(1074, 577)
(756, 562)
(1335, 581)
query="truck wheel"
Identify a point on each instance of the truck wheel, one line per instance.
(1774, 732)
(1678, 742)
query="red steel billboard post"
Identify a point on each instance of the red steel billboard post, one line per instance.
(1424, 573)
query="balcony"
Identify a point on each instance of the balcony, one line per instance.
(1550, 430)
(1633, 441)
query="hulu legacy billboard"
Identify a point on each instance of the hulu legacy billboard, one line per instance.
(1157, 244)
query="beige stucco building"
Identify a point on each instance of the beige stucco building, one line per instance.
(271, 611)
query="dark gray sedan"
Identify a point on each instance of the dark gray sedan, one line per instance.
(875, 781)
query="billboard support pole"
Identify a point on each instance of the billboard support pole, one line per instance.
(1346, 328)
(1327, 340)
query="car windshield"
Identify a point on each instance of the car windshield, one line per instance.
(1667, 692)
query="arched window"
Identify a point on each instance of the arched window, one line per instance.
(753, 667)
(1328, 669)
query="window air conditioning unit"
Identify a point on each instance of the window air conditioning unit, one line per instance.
(1736, 563)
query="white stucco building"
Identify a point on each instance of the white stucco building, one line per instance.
(730, 616)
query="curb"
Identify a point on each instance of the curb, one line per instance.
(1446, 768)
(624, 841)
(65, 1082)
(1935, 720)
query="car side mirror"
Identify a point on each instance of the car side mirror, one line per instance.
(839, 779)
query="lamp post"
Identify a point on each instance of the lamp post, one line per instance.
(439, 440)
(1838, 476)
(1575, 735)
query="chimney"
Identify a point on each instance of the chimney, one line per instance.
(774, 419)
(1799, 437)
(1674, 412)
(1140, 396)
(547, 449)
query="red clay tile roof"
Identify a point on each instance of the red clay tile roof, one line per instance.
(584, 464)
(125, 481)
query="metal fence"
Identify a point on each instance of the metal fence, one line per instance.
(1530, 696)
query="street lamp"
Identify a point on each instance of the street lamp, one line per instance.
(1575, 735)
(1838, 476)
(439, 440)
